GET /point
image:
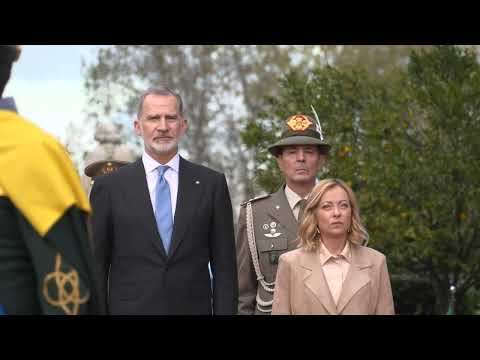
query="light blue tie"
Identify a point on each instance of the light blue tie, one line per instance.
(163, 208)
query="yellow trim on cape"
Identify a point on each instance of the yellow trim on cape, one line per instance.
(36, 173)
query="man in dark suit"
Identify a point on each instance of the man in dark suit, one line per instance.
(159, 221)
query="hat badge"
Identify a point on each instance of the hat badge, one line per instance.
(299, 123)
(108, 168)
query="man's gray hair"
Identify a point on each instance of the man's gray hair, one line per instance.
(161, 91)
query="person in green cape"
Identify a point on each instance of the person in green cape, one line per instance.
(46, 260)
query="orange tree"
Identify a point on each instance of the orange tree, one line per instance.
(410, 148)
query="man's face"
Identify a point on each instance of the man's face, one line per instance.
(160, 125)
(300, 163)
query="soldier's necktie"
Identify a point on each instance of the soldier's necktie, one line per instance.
(301, 204)
(163, 208)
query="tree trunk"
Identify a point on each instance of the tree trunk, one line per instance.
(442, 296)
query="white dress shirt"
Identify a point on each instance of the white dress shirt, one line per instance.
(171, 176)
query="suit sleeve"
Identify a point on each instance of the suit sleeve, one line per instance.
(385, 298)
(281, 296)
(102, 233)
(247, 281)
(223, 256)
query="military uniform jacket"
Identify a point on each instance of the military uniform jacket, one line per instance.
(275, 231)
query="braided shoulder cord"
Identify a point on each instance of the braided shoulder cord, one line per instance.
(269, 287)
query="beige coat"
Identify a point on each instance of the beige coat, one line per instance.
(301, 287)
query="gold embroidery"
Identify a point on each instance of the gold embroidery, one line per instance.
(107, 168)
(68, 289)
(299, 123)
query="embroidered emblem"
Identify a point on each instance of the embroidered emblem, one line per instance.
(299, 123)
(108, 168)
(68, 296)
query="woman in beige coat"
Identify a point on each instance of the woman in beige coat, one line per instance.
(331, 272)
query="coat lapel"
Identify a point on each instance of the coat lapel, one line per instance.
(357, 277)
(316, 282)
(141, 196)
(280, 210)
(189, 193)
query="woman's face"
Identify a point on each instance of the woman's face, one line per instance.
(334, 213)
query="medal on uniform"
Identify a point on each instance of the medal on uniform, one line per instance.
(272, 227)
(273, 257)
(272, 233)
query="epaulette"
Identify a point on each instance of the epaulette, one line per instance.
(255, 199)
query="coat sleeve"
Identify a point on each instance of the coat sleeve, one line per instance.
(247, 280)
(281, 297)
(384, 304)
(18, 293)
(102, 234)
(222, 245)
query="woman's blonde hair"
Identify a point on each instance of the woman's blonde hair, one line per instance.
(308, 231)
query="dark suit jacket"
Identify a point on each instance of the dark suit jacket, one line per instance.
(140, 277)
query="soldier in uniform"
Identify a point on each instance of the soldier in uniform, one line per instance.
(102, 167)
(46, 264)
(268, 224)
(108, 156)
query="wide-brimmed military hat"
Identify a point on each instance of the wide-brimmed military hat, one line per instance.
(300, 130)
(98, 168)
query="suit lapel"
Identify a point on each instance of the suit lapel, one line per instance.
(316, 282)
(189, 192)
(141, 196)
(357, 277)
(280, 210)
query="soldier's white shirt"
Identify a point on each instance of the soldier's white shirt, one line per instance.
(171, 175)
(293, 200)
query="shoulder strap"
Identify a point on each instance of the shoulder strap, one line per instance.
(255, 199)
